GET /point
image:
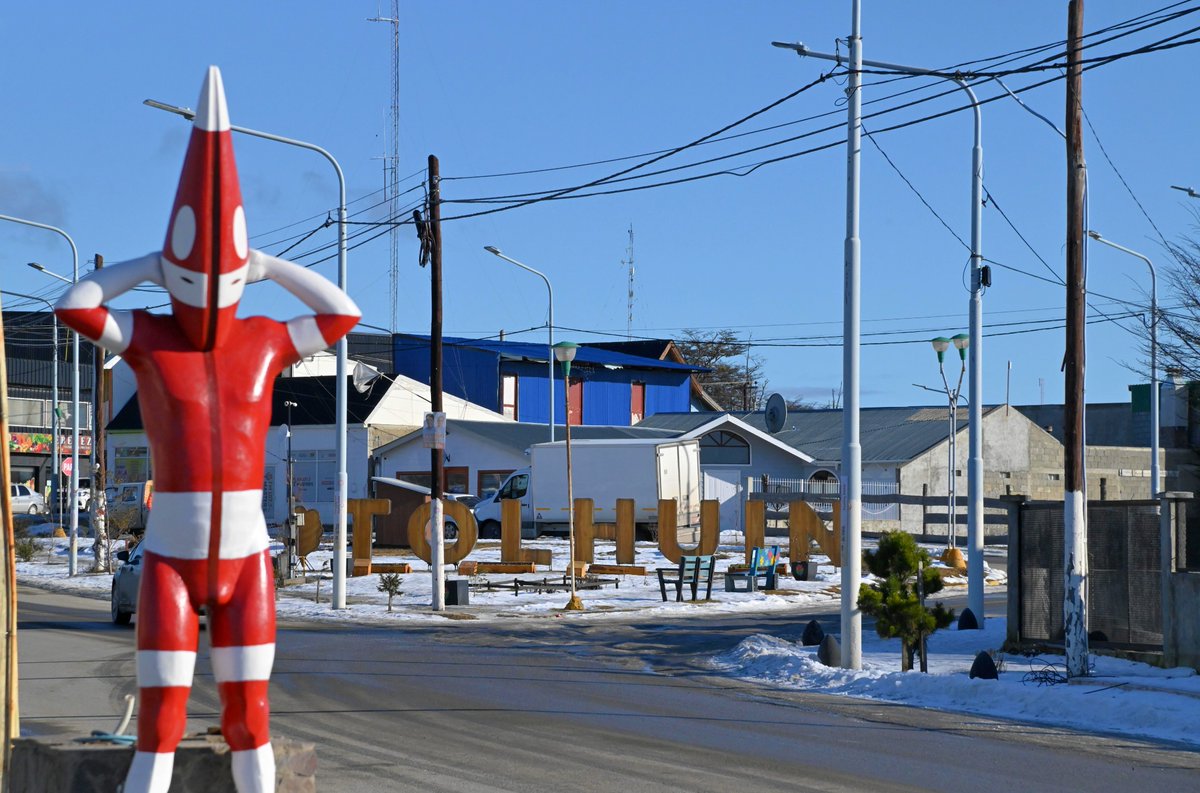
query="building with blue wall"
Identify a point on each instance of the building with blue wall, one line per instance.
(614, 388)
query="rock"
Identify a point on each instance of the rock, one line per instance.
(984, 667)
(967, 621)
(830, 652)
(953, 558)
(813, 634)
(1097, 636)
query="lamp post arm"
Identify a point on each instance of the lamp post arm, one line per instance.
(550, 325)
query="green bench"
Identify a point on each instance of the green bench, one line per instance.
(763, 562)
(692, 572)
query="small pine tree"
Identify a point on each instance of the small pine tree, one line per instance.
(389, 583)
(894, 600)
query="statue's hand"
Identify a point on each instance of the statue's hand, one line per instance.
(258, 267)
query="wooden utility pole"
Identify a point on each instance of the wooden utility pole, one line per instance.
(96, 502)
(8, 589)
(437, 455)
(1074, 484)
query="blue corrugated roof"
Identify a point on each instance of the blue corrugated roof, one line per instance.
(525, 351)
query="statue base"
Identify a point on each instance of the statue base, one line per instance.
(60, 765)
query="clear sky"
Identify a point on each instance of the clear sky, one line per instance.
(496, 87)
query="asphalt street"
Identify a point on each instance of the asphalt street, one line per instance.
(546, 705)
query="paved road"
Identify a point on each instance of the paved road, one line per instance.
(541, 705)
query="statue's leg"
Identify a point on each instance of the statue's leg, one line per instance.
(243, 650)
(167, 626)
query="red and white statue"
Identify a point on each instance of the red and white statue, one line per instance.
(205, 379)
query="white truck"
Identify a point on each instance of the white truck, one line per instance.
(644, 470)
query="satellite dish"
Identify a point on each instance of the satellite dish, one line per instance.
(776, 412)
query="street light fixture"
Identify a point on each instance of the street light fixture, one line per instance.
(960, 342)
(564, 353)
(1155, 482)
(1191, 193)
(492, 249)
(339, 548)
(73, 543)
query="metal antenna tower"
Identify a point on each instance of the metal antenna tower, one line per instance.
(392, 164)
(628, 262)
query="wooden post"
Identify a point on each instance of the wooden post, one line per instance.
(8, 572)
(585, 530)
(626, 531)
(756, 527)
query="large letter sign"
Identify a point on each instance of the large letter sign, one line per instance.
(205, 379)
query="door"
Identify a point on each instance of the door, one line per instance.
(575, 402)
(724, 485)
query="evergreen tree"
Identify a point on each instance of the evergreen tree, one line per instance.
(894, 600)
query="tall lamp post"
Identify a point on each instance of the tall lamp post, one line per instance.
(550, 324)
(564, 353)
(291, 493)
(339, 548)
(73, 543)
(1155, 482)
(55, 485)
(940, 344)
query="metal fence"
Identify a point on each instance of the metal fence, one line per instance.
(821, 494)
(1124, 593)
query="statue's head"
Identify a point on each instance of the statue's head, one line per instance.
(204, 259)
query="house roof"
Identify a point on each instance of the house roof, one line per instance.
(1107, 423)
(888, 434)
(521, 435)
(738, 425)
(586, 354)
(316, 404)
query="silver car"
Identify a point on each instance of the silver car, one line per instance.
(125, 585)
(26, 500)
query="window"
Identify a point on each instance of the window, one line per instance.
(515, 487)
(508, 396)
(724, 448)
(131, 464)
(490, 481)
(421, 478)
(456, 480)
(637, 402)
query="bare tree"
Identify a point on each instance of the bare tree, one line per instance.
(1179, 328)
(735, 380)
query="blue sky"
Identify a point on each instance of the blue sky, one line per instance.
(495, 87)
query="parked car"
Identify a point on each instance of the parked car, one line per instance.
(26, 500)
(125, 583)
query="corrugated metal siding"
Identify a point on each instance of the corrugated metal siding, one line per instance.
(606, 400)
(532, 404)
(467, 373)
(668, 397)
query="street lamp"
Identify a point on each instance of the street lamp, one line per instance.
(1191, 193)
(549, 336)
(564, 353)
(55, 484)
(852, 451)
(291, 496)
(339, 548)
(940, 344)
(1155, 482)
(73, 543)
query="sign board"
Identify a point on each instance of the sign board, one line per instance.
(433, 433)
(67, 466)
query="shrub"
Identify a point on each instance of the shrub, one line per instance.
(894, 601)
(389, 583)
(25, 548)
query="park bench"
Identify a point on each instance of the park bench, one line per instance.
(763, 562)
(692, 571)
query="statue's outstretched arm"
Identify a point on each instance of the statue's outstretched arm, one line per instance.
(82, 307)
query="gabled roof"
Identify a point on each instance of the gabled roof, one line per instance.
(519, 436)
(890, 435)
(724, 420)
(586, 354)
(314, 396)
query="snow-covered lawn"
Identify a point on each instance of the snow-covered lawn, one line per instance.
(1121, 697)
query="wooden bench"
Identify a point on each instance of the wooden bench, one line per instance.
(763, 562)
(692, 571)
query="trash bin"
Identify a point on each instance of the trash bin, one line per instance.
(458, 593)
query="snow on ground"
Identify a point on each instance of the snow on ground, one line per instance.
(1121, 697)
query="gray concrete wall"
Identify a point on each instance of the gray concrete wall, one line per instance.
(1181, 630)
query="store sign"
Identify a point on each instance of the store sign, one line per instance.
(43, 443)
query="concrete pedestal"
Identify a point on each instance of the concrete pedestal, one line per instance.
(458, 592)
(59, 765)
